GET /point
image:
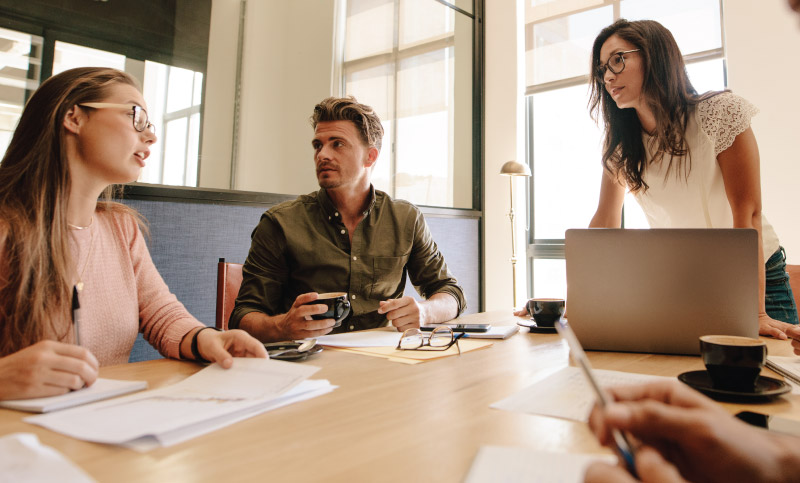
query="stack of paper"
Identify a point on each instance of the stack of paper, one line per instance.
(101, 389)
(383, 343)
(788, 367)
(208, 400)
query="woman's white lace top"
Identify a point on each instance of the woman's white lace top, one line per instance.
(675, 200)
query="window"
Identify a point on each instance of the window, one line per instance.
(411, 60)
(564, 145)
(20, 69)
(162, 44)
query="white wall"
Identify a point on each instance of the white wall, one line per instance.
(287, 69)
(763, 50)
(504, 141)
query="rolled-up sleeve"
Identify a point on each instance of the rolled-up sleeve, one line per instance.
(427, 268)
(264, 274)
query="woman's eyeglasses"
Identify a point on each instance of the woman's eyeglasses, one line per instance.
(440, 339)
(140, 121)
(615, 63)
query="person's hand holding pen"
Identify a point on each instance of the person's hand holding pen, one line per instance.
(686, 436)
(47, 368)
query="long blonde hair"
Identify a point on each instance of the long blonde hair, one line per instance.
(36, 266)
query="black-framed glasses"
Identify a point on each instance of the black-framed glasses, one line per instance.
(140, 120)
(615, 63)
(440, 339)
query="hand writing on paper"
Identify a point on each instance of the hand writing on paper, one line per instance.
(47, 368)
(222, 347)
(694, 434)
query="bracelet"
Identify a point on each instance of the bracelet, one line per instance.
(195, 351)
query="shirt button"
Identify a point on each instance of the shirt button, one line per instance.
(343, 232)
(336, 214)
(329, 217)
(353, 296)
(352, 327)
(355, 258)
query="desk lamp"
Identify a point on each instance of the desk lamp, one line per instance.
(512, 169)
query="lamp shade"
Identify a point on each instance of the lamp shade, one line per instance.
(513, 168)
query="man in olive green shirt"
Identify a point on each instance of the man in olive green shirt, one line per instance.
(346, 237)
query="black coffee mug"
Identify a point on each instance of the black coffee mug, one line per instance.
(733, 362)
(338, 307)
(546, 312)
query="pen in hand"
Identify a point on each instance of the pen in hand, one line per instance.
(76, 315)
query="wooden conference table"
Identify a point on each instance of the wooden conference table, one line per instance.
(387, 421)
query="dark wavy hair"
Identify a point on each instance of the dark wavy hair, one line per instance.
(669, 95)
(348, 108)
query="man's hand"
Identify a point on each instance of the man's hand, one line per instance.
(47, 368)
(695, 434)
(650, 466)
(222, 347)
(404, 313)
(297, 322)
(772, 328)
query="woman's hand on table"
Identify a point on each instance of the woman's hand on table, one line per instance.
(47, 368)
(222, 347)
(773, 328)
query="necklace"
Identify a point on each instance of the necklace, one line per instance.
(79, 284)
(76, 227)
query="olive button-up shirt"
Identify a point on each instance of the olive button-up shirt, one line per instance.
(303, 246)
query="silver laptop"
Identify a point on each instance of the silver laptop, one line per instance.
(658, 290)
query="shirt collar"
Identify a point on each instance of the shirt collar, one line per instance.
(333, 213)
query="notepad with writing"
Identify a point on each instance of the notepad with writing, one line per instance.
(101, 389)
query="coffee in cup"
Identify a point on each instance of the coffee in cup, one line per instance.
(338, 306)
(546, 312)
(733, 362)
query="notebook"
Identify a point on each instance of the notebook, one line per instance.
(101, 389)
(659, 290)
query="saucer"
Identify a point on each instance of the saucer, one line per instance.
(766, 387)
(276, 347)
(535, 329)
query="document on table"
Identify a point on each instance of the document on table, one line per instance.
(494, 332)
(362, 338)
(566, 393)
(200, 403)
(511, 465)
(101, 389)
(789, 368)
(24, 458)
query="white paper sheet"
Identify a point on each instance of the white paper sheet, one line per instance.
(788, 367)
(307, 389)
(364, 338)
(567, 394)
(523, 465)
(24, 458)
(197, 400)
(101, 389)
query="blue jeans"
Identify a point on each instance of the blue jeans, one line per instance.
(779, 299)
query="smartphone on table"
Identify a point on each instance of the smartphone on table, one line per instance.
(623, 446)
(460, 327)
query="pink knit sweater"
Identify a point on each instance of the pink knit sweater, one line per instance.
(123, 293)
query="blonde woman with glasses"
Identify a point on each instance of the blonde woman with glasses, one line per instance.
(81, 133)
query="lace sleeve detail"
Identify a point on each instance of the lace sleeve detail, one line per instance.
(723, 117)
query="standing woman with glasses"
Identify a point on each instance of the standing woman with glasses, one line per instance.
(690, 160)
(82, 132)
